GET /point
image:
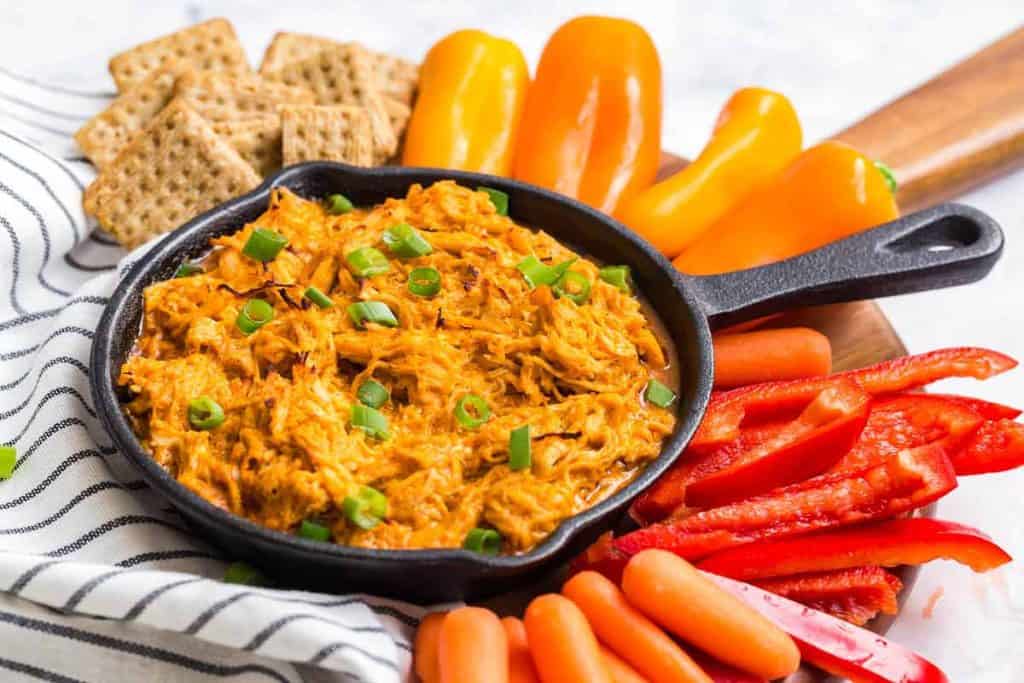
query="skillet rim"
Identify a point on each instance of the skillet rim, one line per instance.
(144, 272)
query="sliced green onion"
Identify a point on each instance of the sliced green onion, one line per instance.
(486, 541)
(537, 273)
(404, 241)
(245, 574)
(363, 312)
(8, 459)
(337, 204)
(659, 394)
(367, 262)
(372, 393)
(370, 420)
(254, 314)
(573, 286)
(481, 412)
(188, 270)
(519, 448)
(314, 531)
(205, 413)
(890, 177)
(365, 509)
(425, 281)
(264, 245)
(616, 276)
(498, 198)
(318, 297)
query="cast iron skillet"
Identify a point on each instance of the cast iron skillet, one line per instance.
(944, 246)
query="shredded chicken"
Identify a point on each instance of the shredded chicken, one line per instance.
(286, 451)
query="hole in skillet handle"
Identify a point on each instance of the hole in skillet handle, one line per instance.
(944, 246)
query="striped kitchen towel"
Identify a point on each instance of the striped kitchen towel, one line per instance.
(99, 581)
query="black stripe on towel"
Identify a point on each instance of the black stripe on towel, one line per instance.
(36, 672)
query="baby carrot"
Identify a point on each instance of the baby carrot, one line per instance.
(619, 671)
(771, 355)
(520, 661)
(628, 633)
(473, 647)
(425, 649)
(670, 591)
(563, 646)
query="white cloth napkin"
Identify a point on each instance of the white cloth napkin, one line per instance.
(99, 580)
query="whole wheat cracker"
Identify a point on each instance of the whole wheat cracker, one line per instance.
(256, 139)
(344, 75)
(336, 133)
(218, 96)
(209, 46)
(399, 114)
(171, 171)
(102, 136)
(396, 77)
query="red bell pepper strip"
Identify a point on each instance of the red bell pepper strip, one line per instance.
(987, 409)
(889, 544)
(854, 595)
(601, 557)
(669, 492)
(728, 410)
(910, 480)
(906, 421)
(997, 446)
(811, 444)
(835, 646)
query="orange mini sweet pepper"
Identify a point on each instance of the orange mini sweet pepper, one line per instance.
(829, 192)
(592, 124)
(472, 91)
(756, 136)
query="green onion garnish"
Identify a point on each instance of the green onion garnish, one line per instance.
(498, 198)
(481, 412)
(363, 312)
(367, 262)
(424, 281)
(264, 245)
(366, 508)
(890, 177)
(404, 241)
(245, 574)
(486, 541)
(314, 531)
(254, 314)
(337, 204)
(369, 420)
(372, 393)
(188, 270)
(205, 413)
(8, 458)
(616, 276)
(573, 286)
(318, 297)
(519, 448)
(659, 394)
(537, 273)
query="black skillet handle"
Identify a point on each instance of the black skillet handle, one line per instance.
(944, 246)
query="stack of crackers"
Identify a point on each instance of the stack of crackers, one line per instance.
(194, 125)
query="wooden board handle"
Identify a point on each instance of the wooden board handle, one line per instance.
(960, 129)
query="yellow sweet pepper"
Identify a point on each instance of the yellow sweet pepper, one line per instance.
(471, 94)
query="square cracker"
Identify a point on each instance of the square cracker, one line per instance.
(103, 136)
(210, 46)
(396, 77)
(256, 139)
(344, 75)
(314, 133)
(218, 96)
(171, 171)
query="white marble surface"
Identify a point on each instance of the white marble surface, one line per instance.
(836, 61)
